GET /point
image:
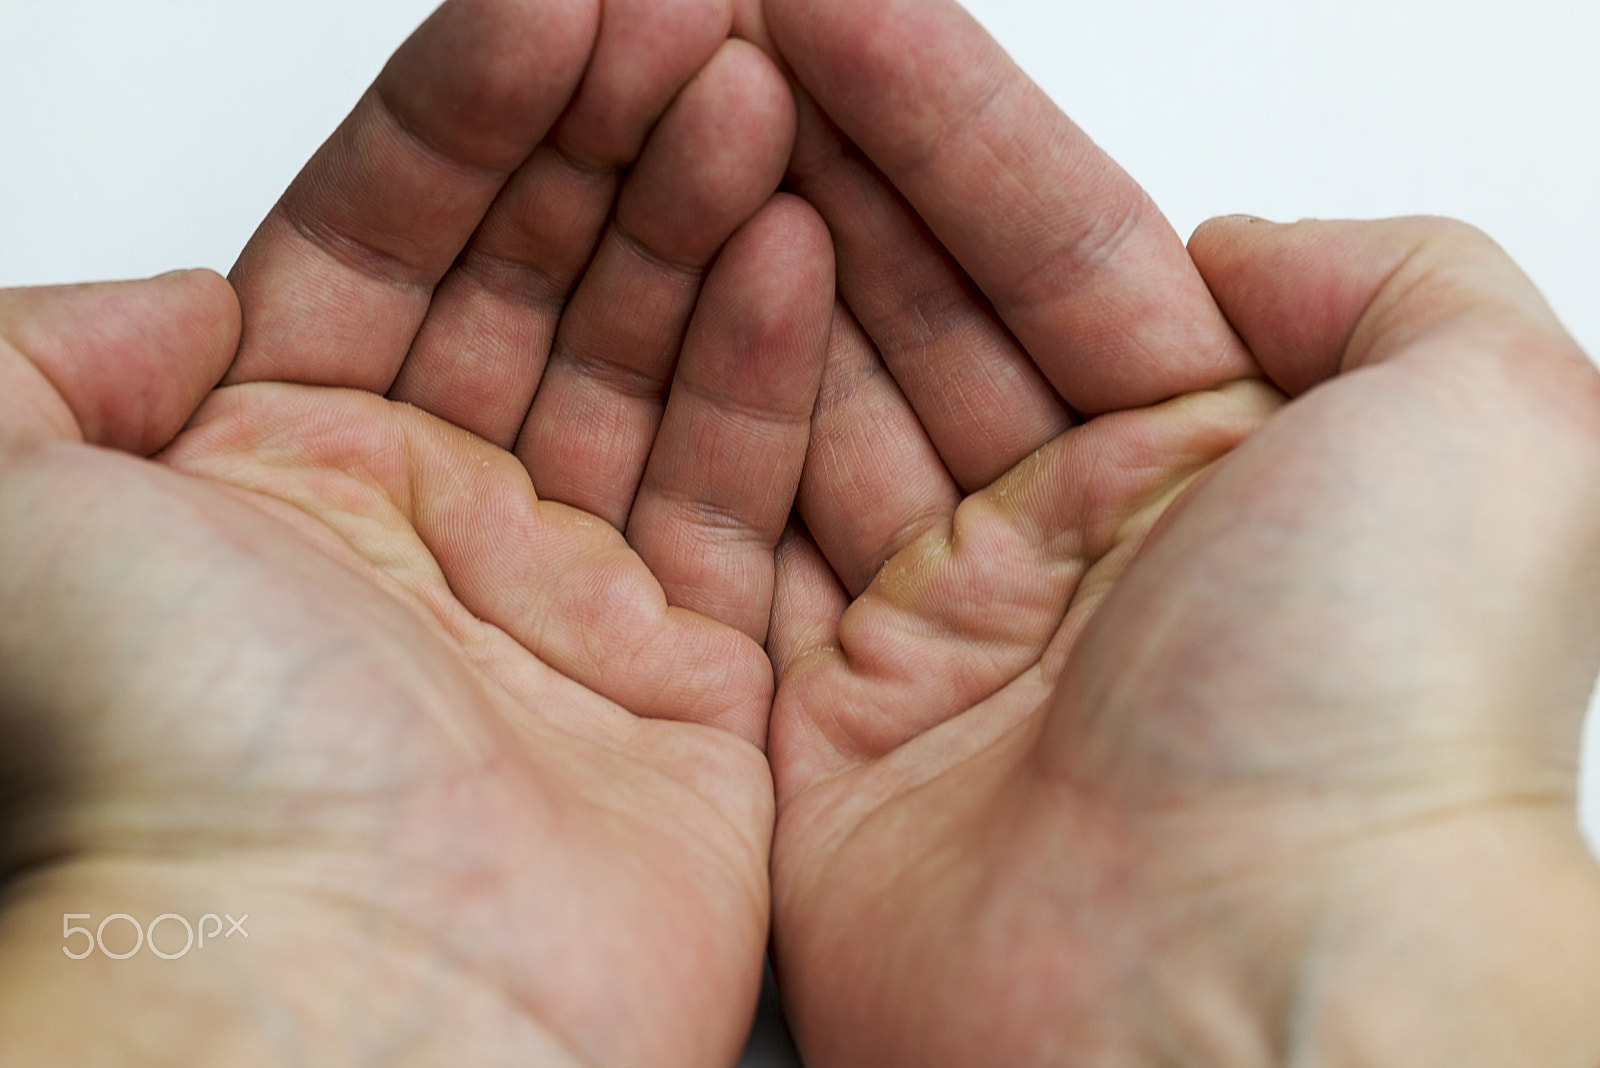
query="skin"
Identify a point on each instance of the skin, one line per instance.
(1179, 657)
(1183, 655)
(308, 619)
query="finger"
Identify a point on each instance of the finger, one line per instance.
(338, 278)
(1075, 258)
(807, 602)
(722, 475)
(807, 605)
(1315, 299)
(873, 482)
(478, 356)
(480, 352)
(120, 364)
(715, 158)
(981, 399)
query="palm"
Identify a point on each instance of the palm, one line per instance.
(396, 763)
(915, 763)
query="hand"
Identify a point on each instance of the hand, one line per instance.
(1126, 714)
(463, 706)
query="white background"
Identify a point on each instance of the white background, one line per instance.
(136, 137)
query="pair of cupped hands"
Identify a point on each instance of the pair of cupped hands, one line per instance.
(581, 561)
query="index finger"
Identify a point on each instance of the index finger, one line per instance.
(1073, 254)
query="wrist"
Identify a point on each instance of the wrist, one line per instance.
(1466, 944)
(121, 961)
(102, 962)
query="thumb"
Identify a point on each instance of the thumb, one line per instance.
(119, 364)
(1315, 299)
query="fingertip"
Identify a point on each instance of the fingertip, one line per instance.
(1071, 254)
(795, 246)
(645, 51)
(764, 89)
(181, 332)
(1315, 298)
(337, 280)
(773, 289)
(885, 72)
(481, 80)
(891, 57)
(130, 360)
(212, 307)
(806, 224)
(716, 156)
(1220, 239)
(1219, 230)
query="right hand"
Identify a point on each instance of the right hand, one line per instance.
(1128, 714)
(432, 638)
